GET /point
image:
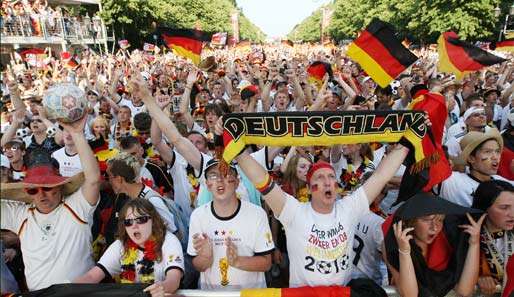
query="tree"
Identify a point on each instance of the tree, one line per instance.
(309, 29)
(132, 19)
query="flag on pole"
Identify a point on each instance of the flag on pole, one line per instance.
(186, 43)
(124, 44)
(148, 47)
(380, 53)
(460, 57)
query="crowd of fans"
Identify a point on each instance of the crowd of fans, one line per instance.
(135, 187)
(37, 18)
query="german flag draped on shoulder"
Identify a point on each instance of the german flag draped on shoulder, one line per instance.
(187, 43)
(324, 128)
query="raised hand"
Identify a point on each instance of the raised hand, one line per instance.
(402, 236)
(473, 228)
(75, 127)
(192, 76)
(163, 100)
(487, 285)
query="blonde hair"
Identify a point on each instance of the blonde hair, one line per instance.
(103, 121)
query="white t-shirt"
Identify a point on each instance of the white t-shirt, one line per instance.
(172, 258)
(459, 187)
(69, 165)
(248, 229)
(56, 247)
(133, 109)
(367, 259)
(320, 245)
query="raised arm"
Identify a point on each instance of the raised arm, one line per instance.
(182, 144)
(91, 186)
(184, 102)
(385, 171)
(17, 122)
(164, 150)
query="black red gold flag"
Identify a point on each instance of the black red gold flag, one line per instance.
(505, 46)
(186, 43)
(317, 70)
(380, 53)
(460, 57)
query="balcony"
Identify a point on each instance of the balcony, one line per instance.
(20, 30)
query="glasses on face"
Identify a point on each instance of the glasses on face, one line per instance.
(139, 220)
(216, 176)
(12, 149)
(34, 191)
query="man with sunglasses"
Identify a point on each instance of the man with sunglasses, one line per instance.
(54, 230)
(229, 238)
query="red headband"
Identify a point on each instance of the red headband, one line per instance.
(315, 167)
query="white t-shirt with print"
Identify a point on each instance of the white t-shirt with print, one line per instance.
(320, 245)
(172, 258)
(248, 229)
(459, 188)
(69, 165)
(56, 247)
(366, 256)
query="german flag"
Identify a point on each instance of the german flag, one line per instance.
(316, 71)
(380, 53)
(186, 43)
(459, 57)
(298, 292)
(504, 46)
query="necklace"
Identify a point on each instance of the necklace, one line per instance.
(146, 265)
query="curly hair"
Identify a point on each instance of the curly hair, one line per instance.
(143, 207)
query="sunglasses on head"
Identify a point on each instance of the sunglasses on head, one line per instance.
(139, 220)
(34, 191)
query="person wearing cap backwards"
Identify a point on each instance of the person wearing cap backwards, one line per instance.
(54, 230)
(229, 238)
(481, 153)
(320, 232)
(430, 249)
(495, 197)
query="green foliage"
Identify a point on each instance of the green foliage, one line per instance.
(309, 29)
(421, 21)
(132, 19)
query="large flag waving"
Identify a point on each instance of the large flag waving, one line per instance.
(380, 53)
(460, 57)
(185, 42)
(505, 46)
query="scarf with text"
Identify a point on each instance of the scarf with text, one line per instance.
(327, 128)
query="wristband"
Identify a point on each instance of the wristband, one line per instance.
(268, 189)
(403, 252)
(261, 186)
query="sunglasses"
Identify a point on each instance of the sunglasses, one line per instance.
(139, 220)
(34, 191)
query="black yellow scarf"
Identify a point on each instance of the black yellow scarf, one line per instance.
(325, 128)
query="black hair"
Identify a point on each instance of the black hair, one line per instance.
(487, 192)
(126, 142)
(142, 121)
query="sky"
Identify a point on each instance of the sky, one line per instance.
(276, 18)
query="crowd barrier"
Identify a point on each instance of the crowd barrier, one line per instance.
(48, 27)
(391, 291)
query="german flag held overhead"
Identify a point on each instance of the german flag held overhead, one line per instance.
(186, 43)
(460, 57)
(380, 53)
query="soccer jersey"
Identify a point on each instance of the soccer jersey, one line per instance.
(367, 259)
(69, 165)
(320, 245)
(248, 229)
(459, 188)
(56, 247)
(172, 258)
